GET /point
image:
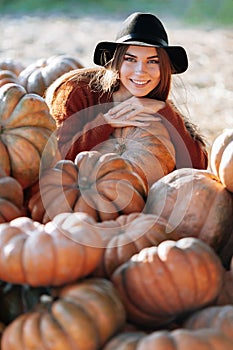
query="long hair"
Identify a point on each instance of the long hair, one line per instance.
(109, 79)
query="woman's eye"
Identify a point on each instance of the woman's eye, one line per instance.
(129, 59)
(153, 61)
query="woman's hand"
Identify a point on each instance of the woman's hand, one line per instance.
(134, 112)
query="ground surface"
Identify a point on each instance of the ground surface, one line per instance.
(204, 92)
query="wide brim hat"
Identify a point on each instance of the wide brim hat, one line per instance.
(142, 29)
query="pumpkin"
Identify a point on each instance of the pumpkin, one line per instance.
(128, 235)
(196, 204)
(44, 255)
(27, 138)
(160, 284)
(39, 75)
(7, 76)
(11, 65)
(179, 339)
(11, 198)
(103, 186)
(84, 317)
(219, 317)
(148, 149)
(221, 158)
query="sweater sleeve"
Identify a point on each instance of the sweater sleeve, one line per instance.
(189, 146)
(80, 124)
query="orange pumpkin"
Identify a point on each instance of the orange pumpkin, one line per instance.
(219, 317)
(179, 339)
(221, 158)
(43, 255)
(128, 235)
(84, 317)
(161, 284)
(103, 186)
(39, 75)
(11, 198)
(196, 204)
(148, 149)
(27, 138)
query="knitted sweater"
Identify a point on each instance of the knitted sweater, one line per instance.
(81, 126)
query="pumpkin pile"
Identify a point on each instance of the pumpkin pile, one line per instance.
(102, 253)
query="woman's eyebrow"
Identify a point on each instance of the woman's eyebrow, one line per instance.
(131, 55)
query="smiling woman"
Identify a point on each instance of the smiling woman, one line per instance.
(129, 88)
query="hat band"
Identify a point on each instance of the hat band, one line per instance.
(151, 41)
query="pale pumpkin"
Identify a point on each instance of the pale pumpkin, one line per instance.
(7, 76)
(39, 75)
(27, 134)
(84, 317)
(160, 284)
(12, 65)
(103, 186)
(221, 158)
(44, 255)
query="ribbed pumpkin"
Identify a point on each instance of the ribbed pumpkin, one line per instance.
(180, 339)
(221, 158)
(27, 138)
(84, 317)
(39, 75)
(11, 198)
(103, 186)
(11, 64)
(43, 255)
(161, 284)
(7, 76)
(196, 204)
(148, 149)
(128, 235)
(219, 317)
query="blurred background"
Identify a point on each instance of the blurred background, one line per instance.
(32, 29)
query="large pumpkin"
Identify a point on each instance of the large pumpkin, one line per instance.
(161, 284)
(84, 317)
(103, 186)
(27, 138)
(39, 75)
(196, 204)
(148, 149)
(128, 235)
(43, 255)
(221, 158)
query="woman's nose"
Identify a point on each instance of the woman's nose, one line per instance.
(140, 67)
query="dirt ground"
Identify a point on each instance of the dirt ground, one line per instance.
(204, 92)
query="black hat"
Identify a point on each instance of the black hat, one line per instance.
(143, 29)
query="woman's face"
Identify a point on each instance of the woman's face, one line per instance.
(140, 71)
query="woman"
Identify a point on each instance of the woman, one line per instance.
(129, 88)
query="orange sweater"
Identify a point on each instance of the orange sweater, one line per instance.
(77, 110)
